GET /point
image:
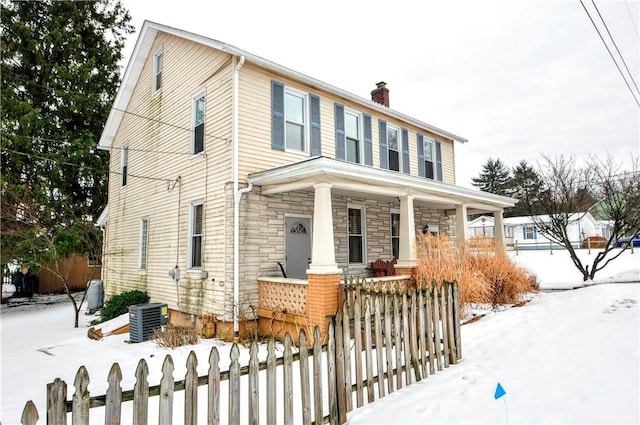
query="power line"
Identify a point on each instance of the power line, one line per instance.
(610, 54)
(615, 45)
(51, 89)
(86, 167)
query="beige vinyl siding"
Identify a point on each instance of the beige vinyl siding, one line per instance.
(256, 153)
(157, 131)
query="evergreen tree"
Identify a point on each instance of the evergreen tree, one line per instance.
(494, 177)
(525, 185)
(60, 73)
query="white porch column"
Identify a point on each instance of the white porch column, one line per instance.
(498, 229)
(407, 252)
(462, 232)
(323, 257)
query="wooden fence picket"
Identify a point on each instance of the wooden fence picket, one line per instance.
(140, 395)
(29, 414)
(436, 328)
(317, 377)
(213, 390)
(397, 340)
(56, 396)
(254, 406)
(445, 327)
(81, 398)
(367, 349)
(287, 380)
(387, 342)
(422, 332)
(379, 346)
(405, 340)
(113, 407)
(304, 379)
(167, 386)
(234, 386)
(357, 337)
(413, 338)
(191, 390)
(346, 343)
(341, 347)
(272, 408)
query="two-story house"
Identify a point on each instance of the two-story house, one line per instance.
(224, 164)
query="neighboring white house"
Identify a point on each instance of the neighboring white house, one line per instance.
(521, 230)
(481, 227)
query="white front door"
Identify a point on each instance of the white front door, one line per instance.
(298, 246)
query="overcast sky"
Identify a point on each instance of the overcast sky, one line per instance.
(516, 78)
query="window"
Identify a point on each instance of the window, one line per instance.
(144, 238)
(392, 146)
(157, 70)
(356, 235)
(395, 234)
(529, 232)
(352, 136)
(429, 156)
(295, 119)
(197, 138)
(124, 163)
(508, 231)
(195, 235)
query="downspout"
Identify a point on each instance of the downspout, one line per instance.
(237, 196)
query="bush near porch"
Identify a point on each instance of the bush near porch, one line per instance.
(485, 274)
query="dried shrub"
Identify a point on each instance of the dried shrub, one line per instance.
(175, 336)
(485, 274)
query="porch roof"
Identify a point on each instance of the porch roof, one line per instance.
(346, 177)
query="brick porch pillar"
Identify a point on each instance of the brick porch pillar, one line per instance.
(322, 302)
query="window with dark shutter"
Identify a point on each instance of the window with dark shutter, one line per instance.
(368, 145)
(340, 137)
(316, 143)
(392, 146)
(277, 115)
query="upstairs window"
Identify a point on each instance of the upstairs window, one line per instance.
(197, 126)
(352, 136)
(393, 150)
(295, 120)
(429, 156)
(157, 70)
(124, 163)
(356, 235)
(195, 235)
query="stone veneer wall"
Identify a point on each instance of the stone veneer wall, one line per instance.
(262, 237)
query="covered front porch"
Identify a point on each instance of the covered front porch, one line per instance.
(418, 205)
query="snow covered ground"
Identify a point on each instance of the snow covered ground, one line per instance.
(564, 357)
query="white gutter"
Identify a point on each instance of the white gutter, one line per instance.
(237, 196)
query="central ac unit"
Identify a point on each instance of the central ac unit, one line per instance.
(144, 318)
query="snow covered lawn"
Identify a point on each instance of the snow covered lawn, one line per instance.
(564, 357)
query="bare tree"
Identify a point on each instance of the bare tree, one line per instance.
(32, 240)
(569, 192)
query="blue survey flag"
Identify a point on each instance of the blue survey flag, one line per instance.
(499, 391)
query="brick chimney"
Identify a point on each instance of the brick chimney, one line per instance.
(381, 94)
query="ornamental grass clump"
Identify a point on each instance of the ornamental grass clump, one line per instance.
(485, 274)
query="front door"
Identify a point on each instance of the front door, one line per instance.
(298, 246)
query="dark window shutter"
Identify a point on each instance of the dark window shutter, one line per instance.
(405, 151)
(438, 162)
(384, 156)
(340, 136)
(316, 143)
(277, 115)
(368, 144)
(421, 169)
